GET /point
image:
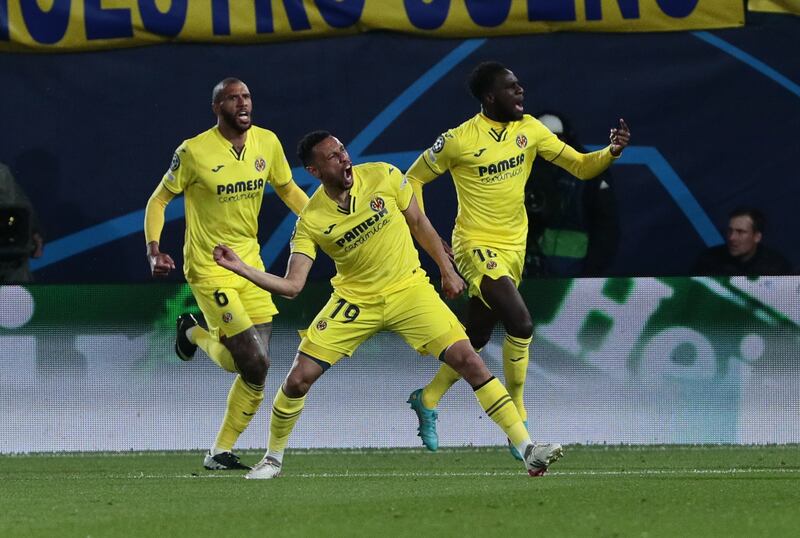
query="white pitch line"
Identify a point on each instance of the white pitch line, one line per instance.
(433, 474)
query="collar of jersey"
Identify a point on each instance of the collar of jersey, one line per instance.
(224, 141)
(491, 122)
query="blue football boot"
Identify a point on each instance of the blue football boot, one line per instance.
(427, 421)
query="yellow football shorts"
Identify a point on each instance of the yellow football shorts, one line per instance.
(232, 309)
(416, 313)
(475, 262)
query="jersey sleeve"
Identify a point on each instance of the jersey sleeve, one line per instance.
(301, 241)
(581, 165)
(548, 145)
(584, 165)
(179, 175)
(432, 163)
(280, 173)
(401, 187)
(442, 153)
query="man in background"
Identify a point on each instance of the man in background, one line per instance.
(743, 252)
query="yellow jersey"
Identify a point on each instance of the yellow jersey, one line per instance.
(369, 242)
(222, 196)
(490, 163)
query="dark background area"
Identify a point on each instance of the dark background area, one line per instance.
(88, 135)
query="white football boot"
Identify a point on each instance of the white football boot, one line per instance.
(264, 470)
(539, 456)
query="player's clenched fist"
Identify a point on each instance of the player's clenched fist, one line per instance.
(227, 258)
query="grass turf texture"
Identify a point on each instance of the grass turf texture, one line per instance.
(593, 491)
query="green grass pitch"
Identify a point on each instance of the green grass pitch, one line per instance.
(594, 491)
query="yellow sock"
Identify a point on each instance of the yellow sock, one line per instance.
(495, 400)
(243, 402)
(285, 412)
(440, 384)
(515, 369)
(213, 348)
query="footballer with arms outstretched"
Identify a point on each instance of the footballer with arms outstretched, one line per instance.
(489, 157)
(364, 218)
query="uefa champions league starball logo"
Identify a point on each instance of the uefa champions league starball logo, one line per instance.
(438, 145)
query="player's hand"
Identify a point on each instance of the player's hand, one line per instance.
(226, 257)
(452, 285)
(160, 264)
(620, 137)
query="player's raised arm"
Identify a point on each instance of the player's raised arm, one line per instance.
(586, 166)
(160, 262)
(426, 236)
(289, 286)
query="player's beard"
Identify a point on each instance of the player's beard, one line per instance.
(232, 121)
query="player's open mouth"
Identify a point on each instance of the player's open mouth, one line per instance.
(348, 173)
(243, 115)
(518, 107)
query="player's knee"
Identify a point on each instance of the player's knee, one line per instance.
(467, 363)
(254, 368)
(520, 327)
(296, 385)
(474, 370)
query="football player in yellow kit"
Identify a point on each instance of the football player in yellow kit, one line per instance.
(222, 173)
(489, 157)
(364, 218)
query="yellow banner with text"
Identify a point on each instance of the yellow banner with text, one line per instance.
(71, 25)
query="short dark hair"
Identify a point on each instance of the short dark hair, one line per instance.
(307, 143)
(481, 79)
(216, 93)
(759, 221)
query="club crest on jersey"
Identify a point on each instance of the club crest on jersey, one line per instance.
(261, 164)
(322, 325)
(176, 162)
(522, 141)
(377, 204)
(227, 317)
(491, 264)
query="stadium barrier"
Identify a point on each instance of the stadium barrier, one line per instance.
(623, 360)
